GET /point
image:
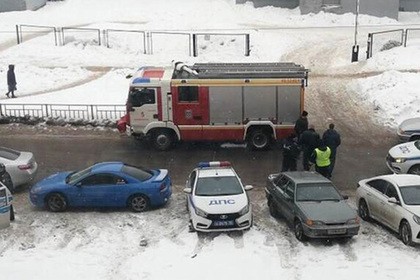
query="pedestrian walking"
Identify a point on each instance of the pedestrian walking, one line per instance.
(321, 158)
(301, 124)
(332, 139)
(5, 178)
(309, 140)
(11, 81)
(290, 154)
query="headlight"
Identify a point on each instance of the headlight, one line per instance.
(416, 219)
(200, 212)
(400, 160)
(244, 210)
(353, 221)
(314, 223)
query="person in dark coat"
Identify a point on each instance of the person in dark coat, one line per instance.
(332, 139)
(309, 140)
(5, 178)
(301, 124)
(321, 157)
(11, 81)
(290, 153)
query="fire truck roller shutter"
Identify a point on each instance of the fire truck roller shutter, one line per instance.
(225, 105)
(289, 103)
(260, 103)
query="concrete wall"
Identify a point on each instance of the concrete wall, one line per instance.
(20, 5)
(290, 4)
(378, 8)
(410, 5)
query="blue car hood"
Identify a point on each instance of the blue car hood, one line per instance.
(53, 180)
(327, 211)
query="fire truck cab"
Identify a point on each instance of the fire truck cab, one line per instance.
(256, 103)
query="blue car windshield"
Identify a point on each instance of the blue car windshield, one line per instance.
(317, 192)
(411, 195)
(218, 186)
(75, 176)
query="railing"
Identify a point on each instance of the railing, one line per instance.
(64, 111)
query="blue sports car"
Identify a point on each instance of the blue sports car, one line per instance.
(106, 184)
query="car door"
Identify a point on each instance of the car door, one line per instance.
(392, 214)
(375, 196)
(289, 201)
(100, 190)
(277, 193)
(190, 184)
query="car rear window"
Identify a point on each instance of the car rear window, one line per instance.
(411, 195)
(139, 173)
(9, 153)
(316, 192)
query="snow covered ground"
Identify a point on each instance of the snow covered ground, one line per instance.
(156, 244)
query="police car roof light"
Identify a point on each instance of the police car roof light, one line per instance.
(214, 164)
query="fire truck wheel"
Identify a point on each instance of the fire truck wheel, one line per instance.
(162, 140)
(259, 139)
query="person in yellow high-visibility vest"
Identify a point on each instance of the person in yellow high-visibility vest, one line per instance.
(321, 157)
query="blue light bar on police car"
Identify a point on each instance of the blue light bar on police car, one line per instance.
(214, 164)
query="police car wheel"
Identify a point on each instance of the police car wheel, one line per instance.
(272, 209)
(414, 170)
(12, 213)
(138, 203)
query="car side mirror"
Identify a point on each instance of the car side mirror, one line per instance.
(248, 187)
(129, 76)
(393, 200)
(187, 190)
(345, 197)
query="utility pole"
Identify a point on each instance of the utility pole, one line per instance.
(355, 49)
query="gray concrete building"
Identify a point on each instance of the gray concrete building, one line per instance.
(410, 5)
(21, 5)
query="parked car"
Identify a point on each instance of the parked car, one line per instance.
(311, 204)
(21, 166)
(106, 184)
(6, 194)
(404, 158)
(409, 130)
(216, 198)
(394, 201)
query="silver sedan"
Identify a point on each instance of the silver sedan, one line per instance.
(21, 166)
(409, 130)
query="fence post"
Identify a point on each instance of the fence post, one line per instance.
(405, 35)
(194, 42)
(91, 111)
(247, 50)
(17, 34)
(46, 110)
(99, 36)
(106, 41)
(369, 46)
(1, 110)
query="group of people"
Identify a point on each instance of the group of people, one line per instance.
(317, 151)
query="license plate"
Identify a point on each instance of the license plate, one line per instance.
(337, 231)
(223, 223)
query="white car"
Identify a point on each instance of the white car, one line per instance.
(21, 166)
(404, 158)
(216, 198)
(393, 200)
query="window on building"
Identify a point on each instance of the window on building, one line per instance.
(187, 94)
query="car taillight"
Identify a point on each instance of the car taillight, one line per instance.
(162, 187)
(25, 166)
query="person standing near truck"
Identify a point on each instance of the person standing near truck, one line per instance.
(290, 154)
(301, 124)
(332, 139)
(309, 140)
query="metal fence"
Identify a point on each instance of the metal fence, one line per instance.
(384, 40)
(64, 111)
(34, 31)
(151, 41)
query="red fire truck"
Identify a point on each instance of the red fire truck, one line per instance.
(256, 103)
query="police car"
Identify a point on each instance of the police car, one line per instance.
(405, 158)
(6, 202)
(216, 198)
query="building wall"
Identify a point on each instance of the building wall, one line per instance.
(378, 8)
(410, 5)
(290, 4)
(20, 5)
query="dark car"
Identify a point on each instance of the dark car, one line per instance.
(106, 184)
(409, 130)
(311, 203)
